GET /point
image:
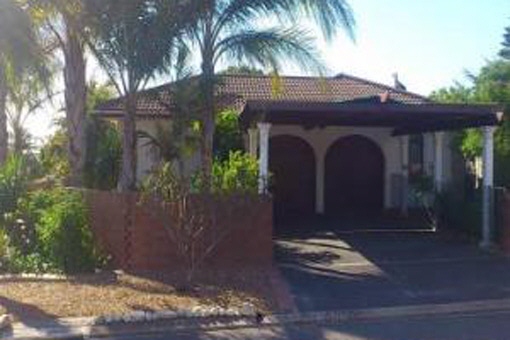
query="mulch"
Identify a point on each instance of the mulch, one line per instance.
(119, 293)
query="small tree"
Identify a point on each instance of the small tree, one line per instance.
(189, 211)
(133, 41)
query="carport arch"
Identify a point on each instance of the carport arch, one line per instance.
(292, 164)
(354, 178)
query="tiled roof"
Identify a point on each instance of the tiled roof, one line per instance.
(236, 90)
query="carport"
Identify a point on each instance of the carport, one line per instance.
(380, 113)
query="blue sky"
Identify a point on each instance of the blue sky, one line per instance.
(430, 43)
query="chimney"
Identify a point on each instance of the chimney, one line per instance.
(397, 84)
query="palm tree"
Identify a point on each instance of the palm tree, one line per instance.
(18, 52)
(227, 29)
(134, 40)
(64, 24)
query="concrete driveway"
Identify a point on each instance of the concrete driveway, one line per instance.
(329, 270)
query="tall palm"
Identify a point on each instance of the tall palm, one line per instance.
(63, 23)
(227, 29)
(133, 41)
(18, 52)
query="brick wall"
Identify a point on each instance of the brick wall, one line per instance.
(145, 244)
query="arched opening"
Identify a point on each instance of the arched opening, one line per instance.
(292, 165)
(354, 179)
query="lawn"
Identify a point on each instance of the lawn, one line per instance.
(110, 293)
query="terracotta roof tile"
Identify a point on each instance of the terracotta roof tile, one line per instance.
(237, 89)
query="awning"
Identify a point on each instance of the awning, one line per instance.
(403, 118)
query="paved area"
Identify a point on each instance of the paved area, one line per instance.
(337, 270)
(494, 326)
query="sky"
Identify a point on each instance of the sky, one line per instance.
(429, 43)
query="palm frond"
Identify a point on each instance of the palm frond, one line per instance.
(329, 15)
(271, 48)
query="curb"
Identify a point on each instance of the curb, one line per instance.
(232, 323)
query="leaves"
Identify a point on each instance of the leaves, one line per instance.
(490, 85)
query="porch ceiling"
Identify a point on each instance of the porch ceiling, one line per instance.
(404, 118)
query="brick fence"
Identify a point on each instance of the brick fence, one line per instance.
(144, 242)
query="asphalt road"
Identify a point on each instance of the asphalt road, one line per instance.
(490, 326)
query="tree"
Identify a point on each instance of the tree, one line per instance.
(64, 23)
(490, 85)
(104, 144)
(505, 51)
(133, 41)
(27, 94)
(19, 51)
(226, 29)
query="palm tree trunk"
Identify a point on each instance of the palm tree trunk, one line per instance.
(75, 99)
(3, 118)
(209, 109)
(128, 174)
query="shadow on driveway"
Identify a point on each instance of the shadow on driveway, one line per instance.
(330, 270)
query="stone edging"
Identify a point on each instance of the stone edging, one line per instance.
(147, 323)
(248, 310)
(29, 276)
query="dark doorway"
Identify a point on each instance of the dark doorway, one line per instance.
(354, 179)
(292, 165)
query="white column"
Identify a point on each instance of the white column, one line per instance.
(488, 186)
(252, 142)
(438, 162)
(404, 142)
(264, 129)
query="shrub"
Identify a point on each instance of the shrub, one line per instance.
(21, 224)
(3, 244)
(63, 233)
(228, 137)
(457, 211)
(33, 263)
(237, 174)
(13, 183)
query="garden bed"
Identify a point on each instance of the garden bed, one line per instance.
(109, 293)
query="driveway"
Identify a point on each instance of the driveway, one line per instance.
(329, 270)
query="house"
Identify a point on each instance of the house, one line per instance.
(340, 144)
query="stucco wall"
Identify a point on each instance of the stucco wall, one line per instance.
(320, 140)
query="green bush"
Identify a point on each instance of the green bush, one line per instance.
(13, 183)
(237, 174)
(459, 212)
(228, 137)
(63, 233)
(33, 263)
(3, 244)
(21, 224)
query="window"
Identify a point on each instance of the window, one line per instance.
(416, 168)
